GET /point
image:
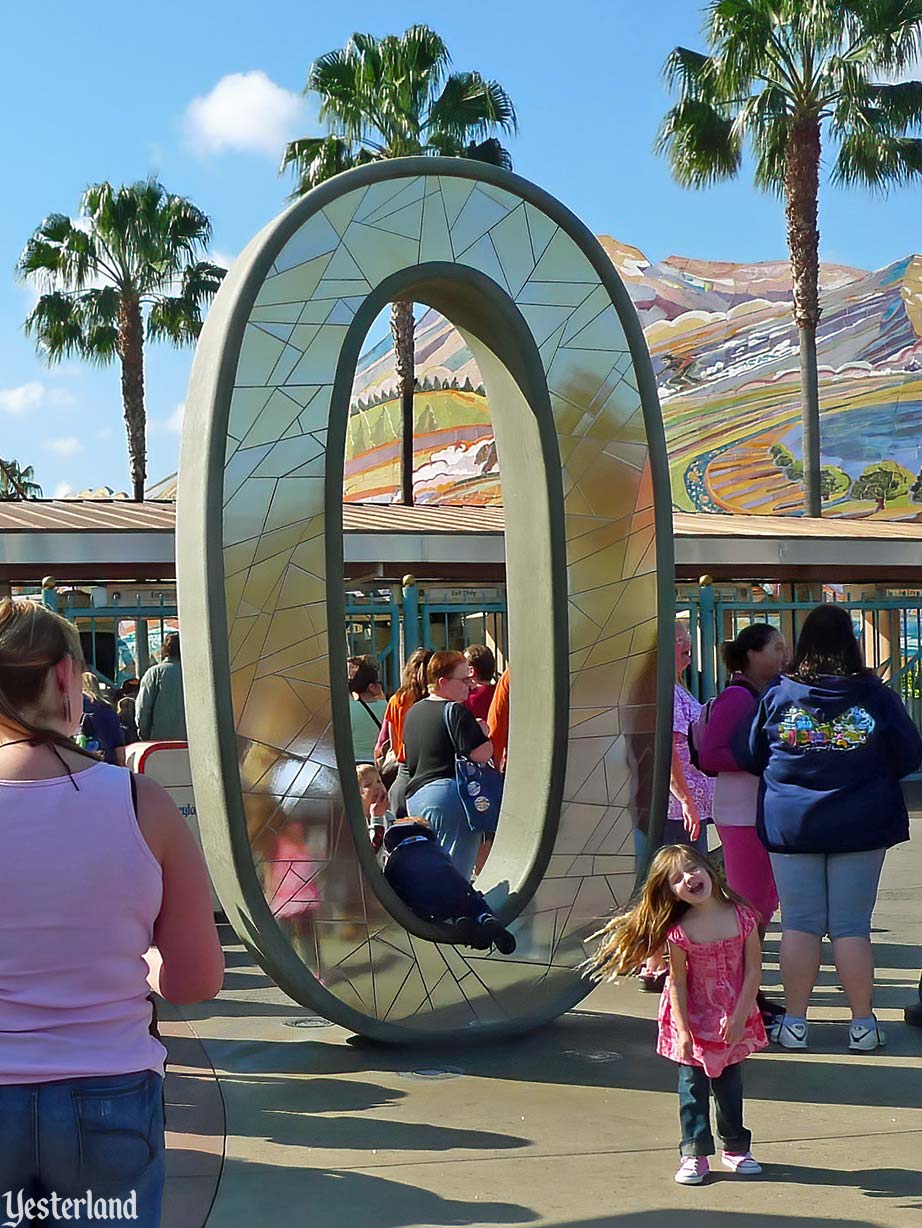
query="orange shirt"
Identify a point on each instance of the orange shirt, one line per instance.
(394, 715)
(498, 721)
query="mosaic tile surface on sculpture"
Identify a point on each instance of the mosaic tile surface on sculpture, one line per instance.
(274, 520)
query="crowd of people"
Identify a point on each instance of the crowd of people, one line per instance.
(151, 710)
(798, 766)
(442, 714)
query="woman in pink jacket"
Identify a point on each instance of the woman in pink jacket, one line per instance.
(753, 660)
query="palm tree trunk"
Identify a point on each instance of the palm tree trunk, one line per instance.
(801, 186)
(131, 353)
(402, 329)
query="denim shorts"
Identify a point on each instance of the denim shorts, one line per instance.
(103, 1134)
(828, 893)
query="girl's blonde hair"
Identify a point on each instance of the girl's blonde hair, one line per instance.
(366, 774)
(91, 687)
(640, 931)
(33, 640)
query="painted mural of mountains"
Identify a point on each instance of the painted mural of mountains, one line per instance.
(724, 350)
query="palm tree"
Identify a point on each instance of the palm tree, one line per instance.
(784, 75)
(395, 97)
(125, 270)
(16, 482)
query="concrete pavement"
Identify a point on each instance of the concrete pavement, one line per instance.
(570, 1127)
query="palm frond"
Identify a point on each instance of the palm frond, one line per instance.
(691, 73)
(151, 233)
(899, 105)
(491, 151)
(470, 107)
(701, 144)
(741, 35)
(414, 66)
(66, 325)
(201, 281)
(60, 255)
(347, 85)
(393, 97)
(766, 118)
(316, 159)
(877, 161)
(175, 319)
(18, 482)
(890, 31)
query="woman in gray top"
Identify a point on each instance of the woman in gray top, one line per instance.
(159, 710)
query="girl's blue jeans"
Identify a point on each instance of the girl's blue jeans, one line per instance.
(695, 1090)
(99, 1135)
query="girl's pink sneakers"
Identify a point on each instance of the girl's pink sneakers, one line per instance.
(743, 1164)
(693, 1170)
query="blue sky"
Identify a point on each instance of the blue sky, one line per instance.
(109, 92)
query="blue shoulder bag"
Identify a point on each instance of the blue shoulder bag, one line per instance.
(480, 787)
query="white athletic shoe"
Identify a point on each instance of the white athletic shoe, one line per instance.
(789, 1035)
(862, 1039)
(693, 1170)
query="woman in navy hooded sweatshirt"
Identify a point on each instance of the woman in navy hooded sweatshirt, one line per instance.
(831, 742)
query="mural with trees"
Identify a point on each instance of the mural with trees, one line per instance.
(725, 354)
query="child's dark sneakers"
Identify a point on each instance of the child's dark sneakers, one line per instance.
(482, 933)
(743, 1163)
(498, 935)
(466, 932)
(693, 1170)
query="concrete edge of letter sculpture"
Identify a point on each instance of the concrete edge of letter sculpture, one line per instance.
(589, 565)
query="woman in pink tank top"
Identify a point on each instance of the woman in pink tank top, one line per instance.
(104, 897)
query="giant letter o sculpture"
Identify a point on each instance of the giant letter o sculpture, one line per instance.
(588, 548)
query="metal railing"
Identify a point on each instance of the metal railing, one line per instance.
(889, 628)
(107, 644)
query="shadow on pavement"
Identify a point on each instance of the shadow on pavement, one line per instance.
(297, 1115)
(340, 1196)
(873, 1182)
(668, 1216)
(585, 1049)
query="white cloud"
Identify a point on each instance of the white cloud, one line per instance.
(170, 425)
(221, 258)
(65, 445)
(22, 399)
(33, 395)
(245, 112)
(63, 490)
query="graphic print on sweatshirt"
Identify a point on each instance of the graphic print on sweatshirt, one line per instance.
(847, 731)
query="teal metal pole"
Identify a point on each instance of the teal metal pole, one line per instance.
(708, 638)
(410, 615)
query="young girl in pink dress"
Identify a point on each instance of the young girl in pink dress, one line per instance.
(708, 1018)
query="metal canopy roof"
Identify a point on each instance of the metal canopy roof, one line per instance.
(115, 539)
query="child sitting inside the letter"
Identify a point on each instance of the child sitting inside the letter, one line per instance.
(374, 803)
(422, 874)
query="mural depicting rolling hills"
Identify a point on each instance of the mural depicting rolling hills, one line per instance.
(724, 351)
